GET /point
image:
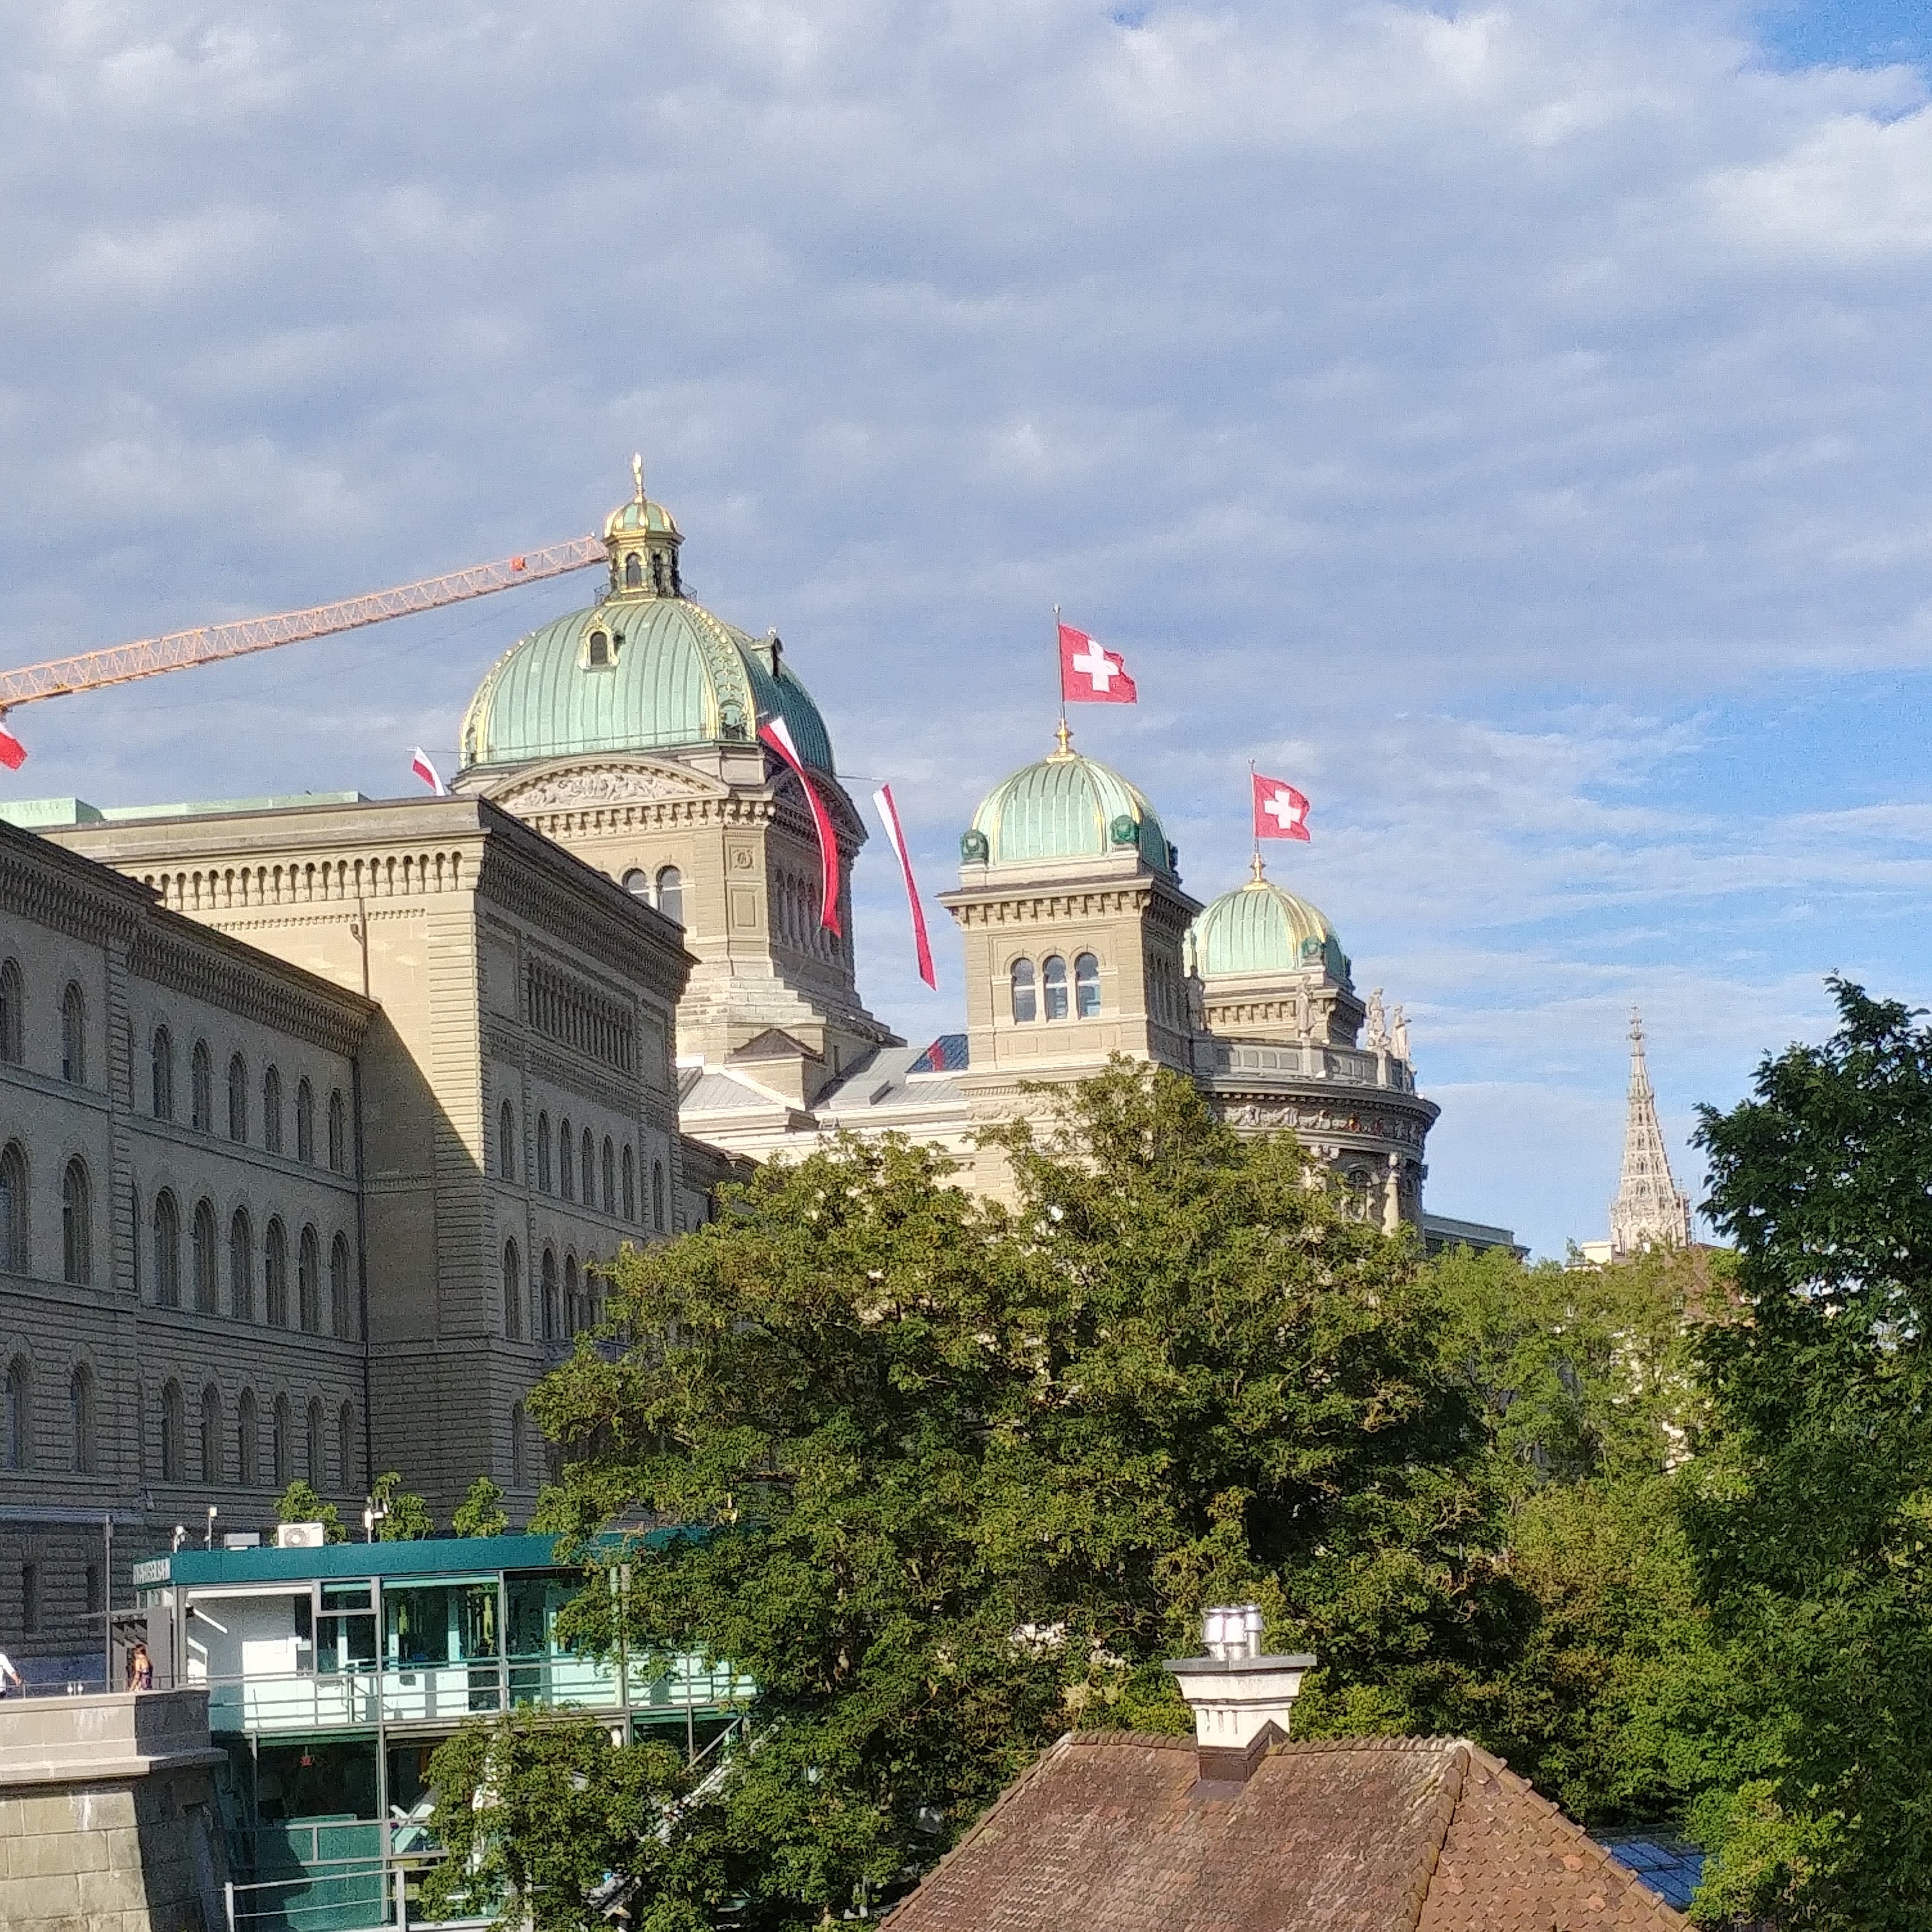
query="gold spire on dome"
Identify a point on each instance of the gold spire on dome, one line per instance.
(637, 474)
(1257, 871)
(1065, 738)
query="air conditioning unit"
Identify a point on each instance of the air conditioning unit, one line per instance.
(301, 1535)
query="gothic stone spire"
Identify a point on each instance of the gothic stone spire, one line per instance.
(1648, 1211)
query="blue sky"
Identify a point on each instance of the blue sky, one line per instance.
(1508, 421)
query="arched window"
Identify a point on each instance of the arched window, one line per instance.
(272, 1110)
(598, 649)
(543, 1154)
(238, 1097)
(167, 1251)
(305, 1123)
(630, 1185)
(638, 884)
(241, 1267)
(658, 1196)
(566, 1180)
(80, 1418)
(313, 1470)
(1053, 980)
(338, 1134)
(76, 1225)
(211, 1434)
(347, 1469)
(202, 1242)
(513, 1292)
(1086, 986)
(280, 1448)
(308, 1283)
(13, 1013)
(13, 1226)
(520, 1475)
(247, 1441)
(201, 1089)
(670, 893)
(1026, 1007)
(610, 1176)
(19, 1418)
(341, 1290)
(634, 572)
(572, 1289)
(506, 1142)
(73, 1036)
(275, 1275)
(586, 1167)
(174, 1434)
(161, 1072)
(550, 1308)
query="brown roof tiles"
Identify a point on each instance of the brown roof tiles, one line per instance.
(1109, 1831)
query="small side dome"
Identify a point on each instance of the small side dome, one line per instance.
(1260, 928)
(1065, 807)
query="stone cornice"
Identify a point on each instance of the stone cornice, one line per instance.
(41, 882)
(208, 965)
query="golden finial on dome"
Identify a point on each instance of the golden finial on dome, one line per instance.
(1257, 872)
(1065, 738)
(637, 474)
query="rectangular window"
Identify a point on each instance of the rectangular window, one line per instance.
(454, 1623)
(345, 1636)
(30, 1598)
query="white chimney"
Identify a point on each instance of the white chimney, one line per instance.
(1241, 1700)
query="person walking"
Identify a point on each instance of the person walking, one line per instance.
(10, 1678)
(140, 1668)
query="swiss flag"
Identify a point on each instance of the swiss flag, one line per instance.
(1280, 811)
(13, 753)
(1090, 673)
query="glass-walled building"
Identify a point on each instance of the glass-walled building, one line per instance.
(333, 1673)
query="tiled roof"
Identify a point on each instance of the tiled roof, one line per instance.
(1108, 1832)
(947, 1054)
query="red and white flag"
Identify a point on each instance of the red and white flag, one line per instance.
(420, 764)
(889, 817)
(13, 753)
(1090, 673)
(776, 735)
(1280, 811)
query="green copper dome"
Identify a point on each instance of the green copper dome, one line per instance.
(1065, 807)
(646, 669)
(1260, 928)
(641, 673)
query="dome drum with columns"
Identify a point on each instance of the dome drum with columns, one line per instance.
(628, 732)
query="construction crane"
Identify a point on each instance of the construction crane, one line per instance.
(122, 664)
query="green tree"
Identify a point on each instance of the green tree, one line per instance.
(1811, 1524)
(962, 1475)
(546, 1823)
(481, 1512)
(401, 1516)
(299, 1503)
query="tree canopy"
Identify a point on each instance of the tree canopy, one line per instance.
(965, 1474)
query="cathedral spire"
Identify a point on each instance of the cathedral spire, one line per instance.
(1649, 1210)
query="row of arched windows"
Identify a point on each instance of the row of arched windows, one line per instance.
(572, 1166)
(567, 1301)
(19, 1449)
(17, 1246)
(215, 1453)
(1049, 987)
(259, 1284)
(665, 892)
(234, 1118)
(662, 567)
(13, 1025)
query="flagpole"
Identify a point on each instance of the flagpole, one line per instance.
(1060, 673)
(1254, 824)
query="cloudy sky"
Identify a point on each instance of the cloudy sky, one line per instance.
(1510, 422)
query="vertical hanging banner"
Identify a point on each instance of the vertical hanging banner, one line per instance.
(775, 734)
(889, 817)
(421, 766)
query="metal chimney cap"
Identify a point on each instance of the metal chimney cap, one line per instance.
(1303, 1660)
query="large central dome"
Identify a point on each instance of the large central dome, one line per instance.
(645, 670)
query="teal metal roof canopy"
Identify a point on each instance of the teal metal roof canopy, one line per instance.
(1066, 807)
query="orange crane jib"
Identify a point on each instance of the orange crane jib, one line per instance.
(123, 663)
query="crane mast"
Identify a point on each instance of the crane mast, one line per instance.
(149, 657)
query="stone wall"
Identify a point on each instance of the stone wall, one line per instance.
(107, 1815)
